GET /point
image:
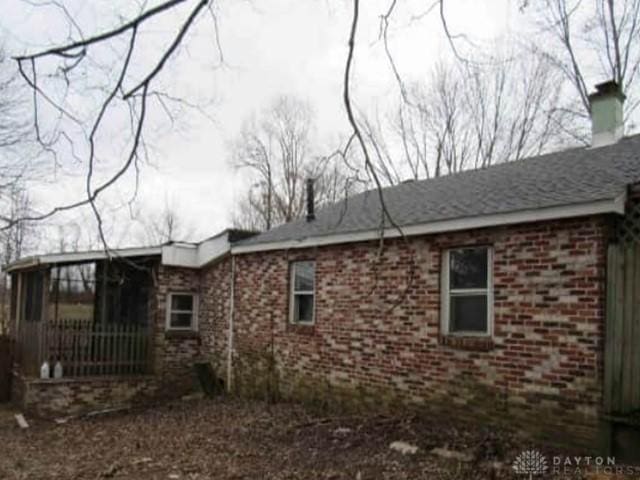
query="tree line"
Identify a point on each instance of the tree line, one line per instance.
(479, 109)
(486, 106)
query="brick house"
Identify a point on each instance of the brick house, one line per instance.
(502, 294)
(506, 294)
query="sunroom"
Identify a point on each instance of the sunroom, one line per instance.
(96, 330)
(84, 314)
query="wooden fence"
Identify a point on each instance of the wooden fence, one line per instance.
(622, 347)
(83, 348)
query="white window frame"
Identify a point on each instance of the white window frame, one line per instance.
(446, 293)
(294, 292)
(194, 313)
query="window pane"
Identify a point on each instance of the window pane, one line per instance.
(73, 291)
(181, 320)
(468, 268)
(468, 313)
(182, 302)
(303, 308)
(304, 276)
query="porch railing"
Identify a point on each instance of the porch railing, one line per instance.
(83, 348)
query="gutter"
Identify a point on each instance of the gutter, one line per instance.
(79, 257)
(616, 206)
(23, 264)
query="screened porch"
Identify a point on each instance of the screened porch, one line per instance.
(91, 317)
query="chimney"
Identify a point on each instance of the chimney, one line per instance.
(310, 201)
(607, 125)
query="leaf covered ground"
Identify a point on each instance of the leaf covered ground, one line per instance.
(236, 439)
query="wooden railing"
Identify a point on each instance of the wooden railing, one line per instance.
(83, 348)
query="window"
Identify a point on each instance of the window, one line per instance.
(467, 297)
(182, 311)
(302, 292)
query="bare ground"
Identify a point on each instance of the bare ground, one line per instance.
(234, 439)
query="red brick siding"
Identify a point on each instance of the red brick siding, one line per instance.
(549, 281)
(215, 303)
(174, 354)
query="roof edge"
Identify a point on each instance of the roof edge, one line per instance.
(615, 205)
(78, 257)
(174, 254)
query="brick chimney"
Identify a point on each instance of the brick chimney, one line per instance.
(607, 125)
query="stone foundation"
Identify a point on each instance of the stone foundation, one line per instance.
(75, 396)
(533, 417)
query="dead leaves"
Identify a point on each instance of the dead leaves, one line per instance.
(236, 439)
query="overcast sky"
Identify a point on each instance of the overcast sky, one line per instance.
(270, 47)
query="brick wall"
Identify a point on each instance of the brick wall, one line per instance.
(215, 281)
(73, 396)
(174, 353)
(377, 325)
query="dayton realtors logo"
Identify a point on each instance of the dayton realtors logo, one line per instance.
(530, 462)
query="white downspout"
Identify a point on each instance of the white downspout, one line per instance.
(230, 333)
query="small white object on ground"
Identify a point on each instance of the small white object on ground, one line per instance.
(342, 431)
(45, 371)
(57, 370)
(404, 448)
(452, 454)
(106, 411)
(193, 396)
(22, 422)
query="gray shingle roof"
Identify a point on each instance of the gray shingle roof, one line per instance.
(569, 177)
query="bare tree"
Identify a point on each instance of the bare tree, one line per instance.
(388, 166)
(130, 87)
(15, 169)
(468, 116)
(16, 239)
(164, 226)
(276, 151)
(14, 139)
(596, 39)
(13, 241)
(487, 109)
(278, 193)
(13, 124)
